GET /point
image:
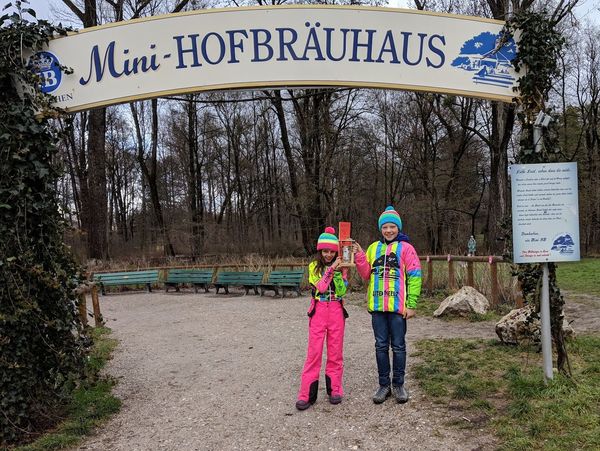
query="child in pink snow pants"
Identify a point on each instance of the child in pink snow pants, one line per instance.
(326, 323)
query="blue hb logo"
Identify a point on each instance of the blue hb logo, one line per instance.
(46, 65)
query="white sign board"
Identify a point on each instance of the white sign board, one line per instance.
(545, 212)
(278, 46)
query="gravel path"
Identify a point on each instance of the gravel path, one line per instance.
(208, 372)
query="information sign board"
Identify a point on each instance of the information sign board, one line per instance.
(545, 212)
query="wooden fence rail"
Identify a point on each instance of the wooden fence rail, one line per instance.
(491, 260)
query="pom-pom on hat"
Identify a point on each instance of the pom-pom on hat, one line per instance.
(390, 216)
(327, 240)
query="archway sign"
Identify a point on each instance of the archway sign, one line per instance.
(279, 46)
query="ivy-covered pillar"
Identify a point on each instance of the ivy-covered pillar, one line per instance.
(41, 338)
(540, 47)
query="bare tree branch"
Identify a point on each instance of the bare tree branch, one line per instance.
(562, 11)
(180, 6)
(139, 9)
(80, 15)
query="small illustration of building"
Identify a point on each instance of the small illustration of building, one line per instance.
(489, 57)
(563, 244)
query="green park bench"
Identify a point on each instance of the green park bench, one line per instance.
(196, 277)
(245, 279)
(283, 280)
(127, 278)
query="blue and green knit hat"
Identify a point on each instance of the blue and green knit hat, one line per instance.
(328, 240)
(390, 216)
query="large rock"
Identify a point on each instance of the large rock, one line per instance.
(465, 301)
(519, 326)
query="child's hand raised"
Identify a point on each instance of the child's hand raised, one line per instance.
(336, 263)
(356, 247)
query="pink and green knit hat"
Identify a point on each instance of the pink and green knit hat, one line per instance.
(390, 216)
(328, 240)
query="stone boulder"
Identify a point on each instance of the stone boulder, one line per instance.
(514, 328)
(465, 301)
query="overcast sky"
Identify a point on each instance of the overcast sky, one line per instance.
(588, 9)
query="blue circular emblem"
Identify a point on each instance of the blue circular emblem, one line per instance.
(46, 65)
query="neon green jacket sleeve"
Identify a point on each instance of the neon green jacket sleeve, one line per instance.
(321, 282)
(341, 285)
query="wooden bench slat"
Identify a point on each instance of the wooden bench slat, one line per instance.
(283, 280)
(128, 281)
(246, 279)
(127, 278)
(124, 273)
(197, 277)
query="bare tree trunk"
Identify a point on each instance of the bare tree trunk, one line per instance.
(97, 227)
(194, 178)
(94, 203)
(71, 155)
(291, 164)
(503, 120)
(150, 172)
(309, 115)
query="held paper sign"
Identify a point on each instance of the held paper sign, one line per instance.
(545, 212)
(278, 46)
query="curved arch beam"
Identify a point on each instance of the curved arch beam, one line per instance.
(280, 46)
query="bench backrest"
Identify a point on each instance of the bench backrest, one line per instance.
(127, 277)
(240, 278)
(189, 276)
(292, 277)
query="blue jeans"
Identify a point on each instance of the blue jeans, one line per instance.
(389, 328)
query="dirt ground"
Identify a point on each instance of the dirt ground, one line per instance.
(221, 372)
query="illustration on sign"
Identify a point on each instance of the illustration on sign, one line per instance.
(492, 65)
(563, 244)
(47, 67)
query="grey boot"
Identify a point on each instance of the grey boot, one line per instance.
(335, 399)
(400, 393)
(302, 405)
(382, 394)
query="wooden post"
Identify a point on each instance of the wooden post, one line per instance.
(98, 321)
(82, 309)
(519, 296)
(494, 280)
(451, 276)
(470, 281)
(429, 275)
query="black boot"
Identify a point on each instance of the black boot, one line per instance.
(312, 397)
(328, 384)
(313, 391)
(382, 394)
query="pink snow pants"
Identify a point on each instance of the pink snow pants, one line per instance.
(326, 324)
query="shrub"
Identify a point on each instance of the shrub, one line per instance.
(41, 339)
